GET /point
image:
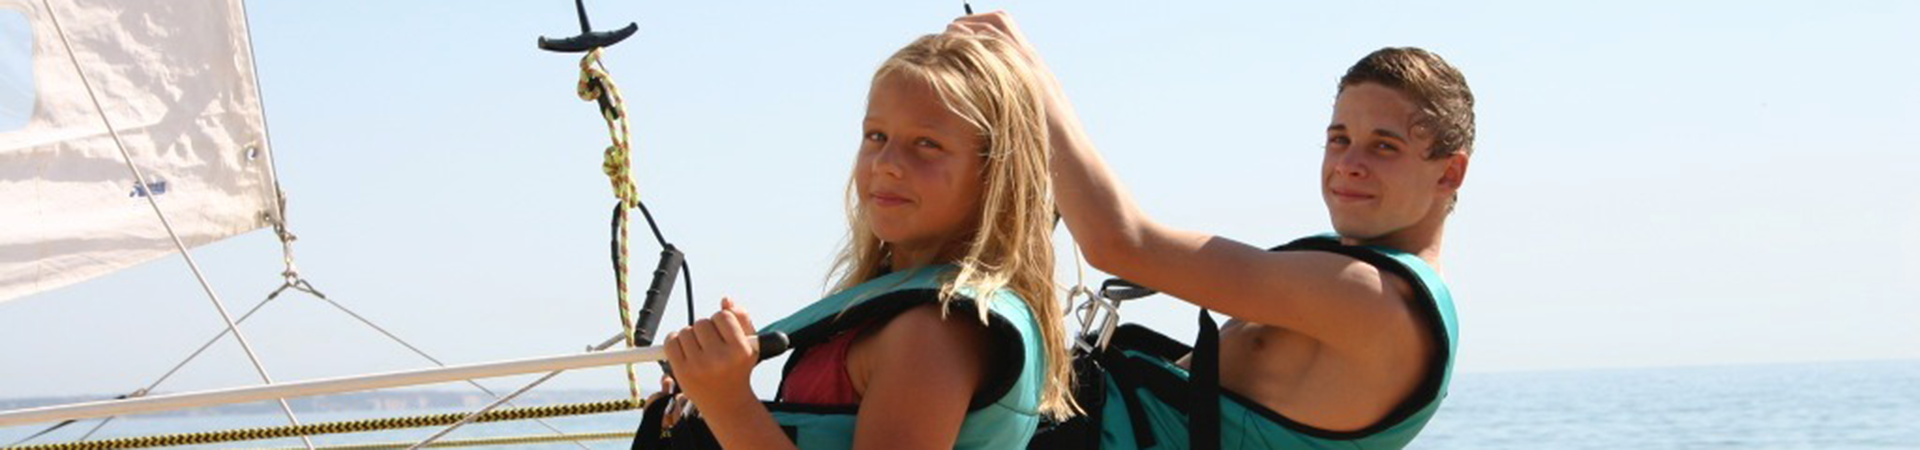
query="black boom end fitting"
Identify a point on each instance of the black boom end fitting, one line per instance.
(588, 39)
(1120, 290)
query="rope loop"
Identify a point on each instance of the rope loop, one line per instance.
(596, 84)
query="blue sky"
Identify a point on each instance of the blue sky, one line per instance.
(1654, 184)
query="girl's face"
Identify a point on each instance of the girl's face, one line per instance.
(918, 172)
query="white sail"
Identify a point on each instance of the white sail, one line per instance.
(175, 79)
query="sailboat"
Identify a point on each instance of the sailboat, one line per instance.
(134, 131)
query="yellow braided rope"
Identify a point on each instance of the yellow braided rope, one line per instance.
(353, 426)
(477, 442)
(595, 83)
(616, 165)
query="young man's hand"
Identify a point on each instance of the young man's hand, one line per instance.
(1065, 133)
(1000, 25)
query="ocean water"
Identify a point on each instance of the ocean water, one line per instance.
(1853, 405)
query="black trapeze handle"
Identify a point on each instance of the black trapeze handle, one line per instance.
(647, 323)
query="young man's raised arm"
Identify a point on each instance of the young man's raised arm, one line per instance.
(1322, 295)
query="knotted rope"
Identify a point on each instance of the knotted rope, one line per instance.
(597, 85)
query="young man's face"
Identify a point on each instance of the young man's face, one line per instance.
(1375, 176)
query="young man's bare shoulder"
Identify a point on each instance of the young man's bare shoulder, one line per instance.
(1342, 276)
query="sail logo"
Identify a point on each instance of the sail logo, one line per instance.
(151, 188)
(16, 70)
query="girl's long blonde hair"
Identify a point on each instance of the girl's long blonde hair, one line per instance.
(989, 83)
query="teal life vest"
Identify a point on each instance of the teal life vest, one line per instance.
(1137, 397)
(1003, 414)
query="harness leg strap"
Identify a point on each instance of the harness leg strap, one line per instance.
(650, 436)
(1203, 413)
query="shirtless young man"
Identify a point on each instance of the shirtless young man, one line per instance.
(1335, 346)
